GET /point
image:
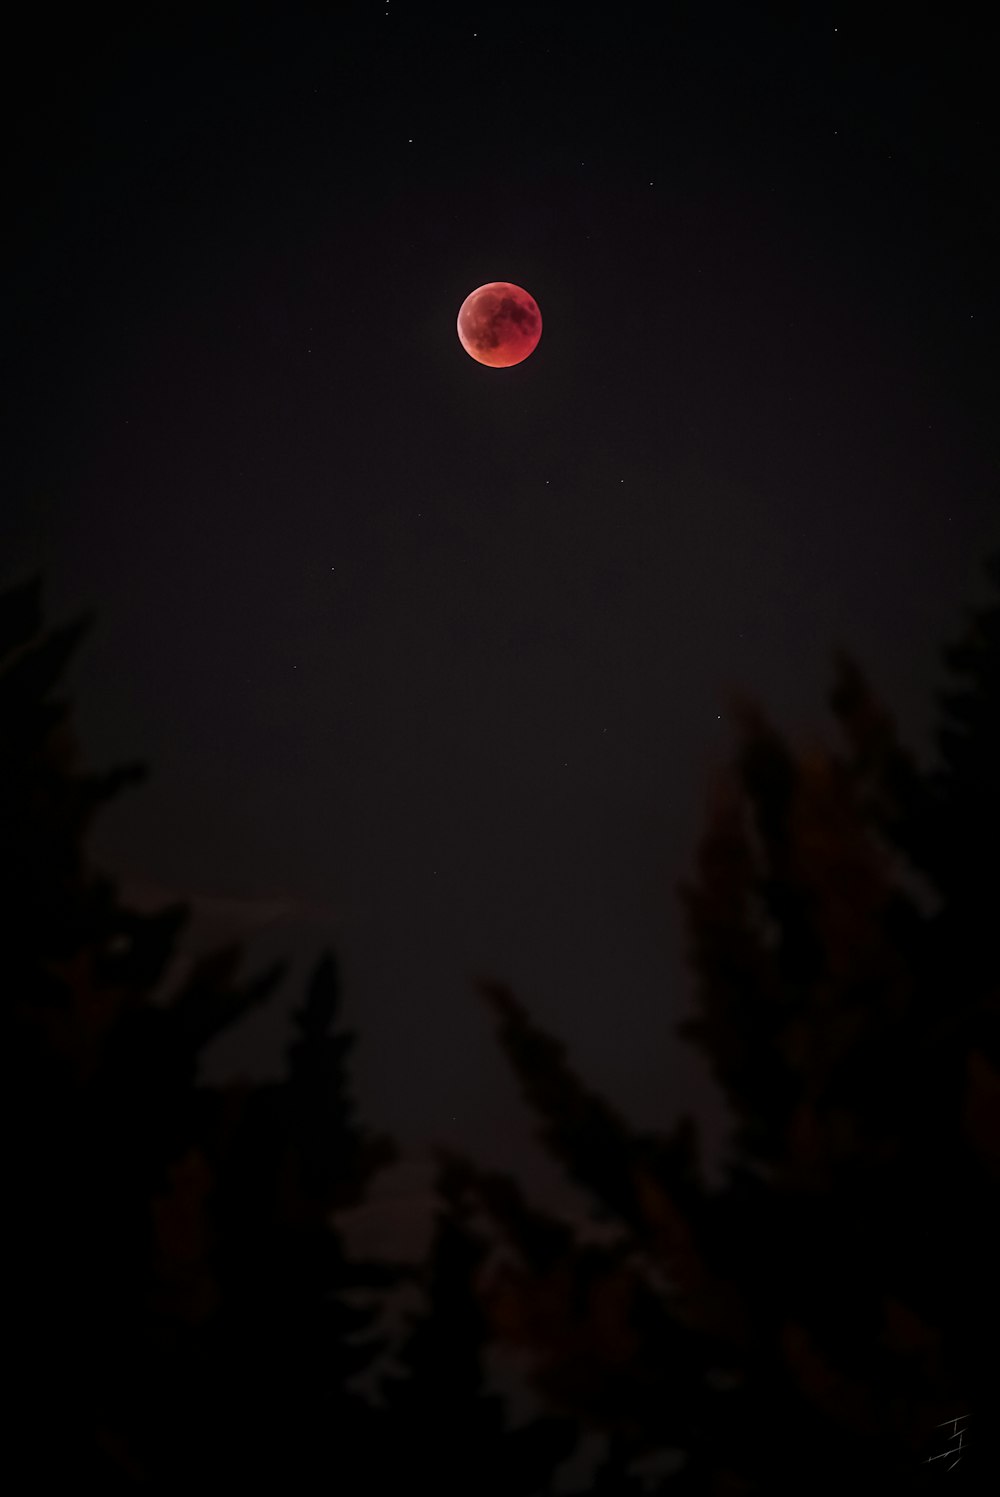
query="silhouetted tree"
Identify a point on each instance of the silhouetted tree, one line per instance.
(175, 1307)
(448, 1431)
(182, 1314)
(810, 1323)
(180, 1307)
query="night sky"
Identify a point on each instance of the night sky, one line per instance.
(431, 661)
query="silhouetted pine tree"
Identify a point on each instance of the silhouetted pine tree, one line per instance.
(447, 1432)
(812, 1322)
(174, 1315)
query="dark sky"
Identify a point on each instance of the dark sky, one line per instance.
(431, 661)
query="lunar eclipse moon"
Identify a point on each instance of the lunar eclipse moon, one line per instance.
(499, 324)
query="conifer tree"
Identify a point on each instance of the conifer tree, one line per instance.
(175, 1314)
(816, 1320)
(448, 1433)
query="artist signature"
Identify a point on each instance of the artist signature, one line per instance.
(959, 1431)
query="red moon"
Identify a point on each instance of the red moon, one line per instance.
(499, 324)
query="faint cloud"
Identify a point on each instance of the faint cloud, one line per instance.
(218, 916)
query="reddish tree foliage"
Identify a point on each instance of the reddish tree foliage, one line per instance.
(820, 1314)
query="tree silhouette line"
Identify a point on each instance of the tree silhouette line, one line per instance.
(182, 1309)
